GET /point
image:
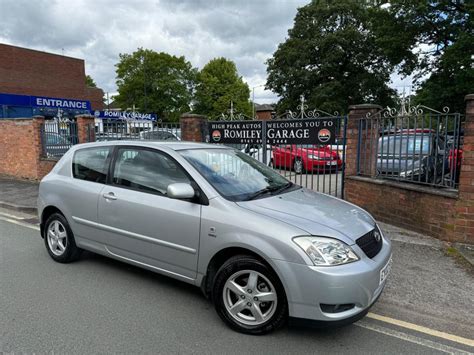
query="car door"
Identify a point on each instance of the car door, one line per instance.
(81, 194)
(142, 223)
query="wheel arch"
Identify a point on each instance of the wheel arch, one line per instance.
(221, 256)
(45, 214)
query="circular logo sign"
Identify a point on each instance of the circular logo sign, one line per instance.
(96, 113)
(324, 135)
(216, 136)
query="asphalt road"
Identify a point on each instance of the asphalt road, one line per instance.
(98, 305)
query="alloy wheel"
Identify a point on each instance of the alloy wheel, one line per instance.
(57, 237)
(298, 166)
(250, 298)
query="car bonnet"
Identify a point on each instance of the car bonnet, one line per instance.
(316, 213)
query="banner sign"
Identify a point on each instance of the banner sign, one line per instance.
(304, 131)
(123, 115)
(234, 132)
(41, 101)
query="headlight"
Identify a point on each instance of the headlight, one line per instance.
(314, 157)
(326, 251)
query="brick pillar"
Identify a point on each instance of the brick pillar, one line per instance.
(85, 128)
(464, 214)
(193, 127)
(37, 143)
(358, 113)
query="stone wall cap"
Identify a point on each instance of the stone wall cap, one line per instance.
(193, 115)
(365, 107)
(469, 97)
(448, 193)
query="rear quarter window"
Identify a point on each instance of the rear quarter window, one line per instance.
(90, 164)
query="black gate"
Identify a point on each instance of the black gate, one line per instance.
(307, 147)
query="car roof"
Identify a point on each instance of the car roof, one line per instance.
(174, 145)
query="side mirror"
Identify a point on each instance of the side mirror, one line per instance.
(180, 191)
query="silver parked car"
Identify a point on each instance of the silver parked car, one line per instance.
(262, 248)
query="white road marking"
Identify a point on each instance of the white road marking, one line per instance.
(11, 216)
(27, 225)
(411, 338)
(421, 329)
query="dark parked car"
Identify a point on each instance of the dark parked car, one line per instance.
(412, 154)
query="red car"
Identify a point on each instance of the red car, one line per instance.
(303, 158)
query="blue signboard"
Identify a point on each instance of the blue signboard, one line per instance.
(120, 115)
(41, 101)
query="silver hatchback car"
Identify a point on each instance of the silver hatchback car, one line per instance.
(262, 248)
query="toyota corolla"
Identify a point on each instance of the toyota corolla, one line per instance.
(263, 249)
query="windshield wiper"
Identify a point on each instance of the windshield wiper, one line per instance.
(283, 188)
(270, 189)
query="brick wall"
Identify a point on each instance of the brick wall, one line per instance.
(20, 146)
(264, 115)
(29, 72)
(446, 215)
(410, 207)
(193, 127)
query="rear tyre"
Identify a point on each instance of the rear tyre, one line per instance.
(249, 297)
(59, 240)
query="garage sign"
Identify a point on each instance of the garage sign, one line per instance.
(309, 131)
(297, 131)
(235, 132)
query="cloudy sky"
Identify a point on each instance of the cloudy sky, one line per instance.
(245, 31)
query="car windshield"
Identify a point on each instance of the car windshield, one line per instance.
(404, 145)
(235, 175)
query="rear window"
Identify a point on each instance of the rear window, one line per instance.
(90, 164)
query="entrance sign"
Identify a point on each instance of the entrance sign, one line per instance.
(235, 132)
(301, 131)
(39, 101)
(123, 115)
(42, 101)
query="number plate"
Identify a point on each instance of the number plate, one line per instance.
(385, 271)
(331, 163)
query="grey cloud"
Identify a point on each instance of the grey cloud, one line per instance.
(247, 32)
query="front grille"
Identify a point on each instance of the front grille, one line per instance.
(369, 244)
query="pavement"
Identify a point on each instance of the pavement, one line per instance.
(99, 305)
(19, 195)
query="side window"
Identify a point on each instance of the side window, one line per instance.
(90, 164)
(146, 170)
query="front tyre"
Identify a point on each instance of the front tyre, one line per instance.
(59, 240)
(249, 297)
(298, 166)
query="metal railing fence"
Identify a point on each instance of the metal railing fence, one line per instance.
(415, 147)
(57, 137)
(137, 130)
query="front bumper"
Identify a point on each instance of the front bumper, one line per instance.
(315, 165)
(358, 283)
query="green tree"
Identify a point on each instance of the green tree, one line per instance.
(218, 85)
(155, 82)
(90, 82)
(331, 56)
(434, 40)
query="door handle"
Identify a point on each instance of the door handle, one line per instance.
(109, 196)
